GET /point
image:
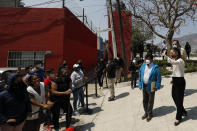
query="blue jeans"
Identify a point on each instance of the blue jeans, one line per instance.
(78, 94)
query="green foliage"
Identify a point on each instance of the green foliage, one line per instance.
(162, 63)
(164, 71)
(191, 66)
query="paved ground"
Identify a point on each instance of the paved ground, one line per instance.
(124, 114)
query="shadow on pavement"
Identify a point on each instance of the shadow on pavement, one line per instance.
(122, 95)
(86, 127)
(191, 114)
(92, 104)
(163, 110)
(91, 111)
(63, 123)
(190, 91)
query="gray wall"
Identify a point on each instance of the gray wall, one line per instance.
(9, 3)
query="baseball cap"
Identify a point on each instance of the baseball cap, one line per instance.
(75, 65)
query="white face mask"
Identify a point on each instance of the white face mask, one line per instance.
(134, 61)
(39, 65)
(174, 46)
(52, 75)
(147, 62)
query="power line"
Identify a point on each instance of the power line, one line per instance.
(44, 3)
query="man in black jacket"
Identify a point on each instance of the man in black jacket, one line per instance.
(100, 67)
(119, 68)
(133, 69)
(111, 75)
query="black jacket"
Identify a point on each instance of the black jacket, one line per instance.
(10, 107)
(100, 67)
(111, 70)
(132, 67)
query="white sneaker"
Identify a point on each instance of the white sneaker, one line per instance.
(101, 88)
(76, 113)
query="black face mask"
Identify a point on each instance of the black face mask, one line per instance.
(19, 90)
(65, 75)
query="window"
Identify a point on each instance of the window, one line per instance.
(24, 58)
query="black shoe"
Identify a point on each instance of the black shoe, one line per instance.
(144, 116)
(111, 98)
(177, 123)
(149, 118)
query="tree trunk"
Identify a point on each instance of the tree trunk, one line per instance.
(169, 42)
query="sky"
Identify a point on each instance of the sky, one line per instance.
(96, 10)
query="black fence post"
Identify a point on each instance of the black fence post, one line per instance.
(87, 98)
(96, 87)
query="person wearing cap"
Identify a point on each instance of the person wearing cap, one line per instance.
(39, 70)
(77, 78)
(149, 82)
(133, 68)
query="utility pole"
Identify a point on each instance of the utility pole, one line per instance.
(109, 6)
(122, 39)
(63, 3)
(83, 15)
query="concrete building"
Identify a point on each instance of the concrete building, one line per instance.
(9, 3)
(48, 35)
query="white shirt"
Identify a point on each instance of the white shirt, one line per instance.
(178, 67)
(147, 73)
(38, 97)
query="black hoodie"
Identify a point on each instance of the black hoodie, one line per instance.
(11, 107)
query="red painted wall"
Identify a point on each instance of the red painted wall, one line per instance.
(39, 29)
(126, 22)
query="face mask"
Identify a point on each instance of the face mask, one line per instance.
(147, 62)
(39, 65)
(65, 75)
(52, 75)
(174, 46)
(134, 61)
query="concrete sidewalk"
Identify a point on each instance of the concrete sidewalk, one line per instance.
(124, 114)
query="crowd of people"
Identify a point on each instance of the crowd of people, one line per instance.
(36, 96)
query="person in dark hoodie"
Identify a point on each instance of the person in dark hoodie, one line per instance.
(14, 104)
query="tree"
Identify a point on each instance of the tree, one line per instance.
(140, 34)
(163, 14)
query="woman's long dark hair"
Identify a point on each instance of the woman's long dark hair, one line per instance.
(30, 80)
(177, 51)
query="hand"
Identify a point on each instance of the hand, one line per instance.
(11, 121)
(45, 106)
(164, 53)
(50, 103)
(171, 82)
(85, 78)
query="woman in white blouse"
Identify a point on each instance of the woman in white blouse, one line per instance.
(178, 83)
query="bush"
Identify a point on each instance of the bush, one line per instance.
(164, 71)
(162, 63)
